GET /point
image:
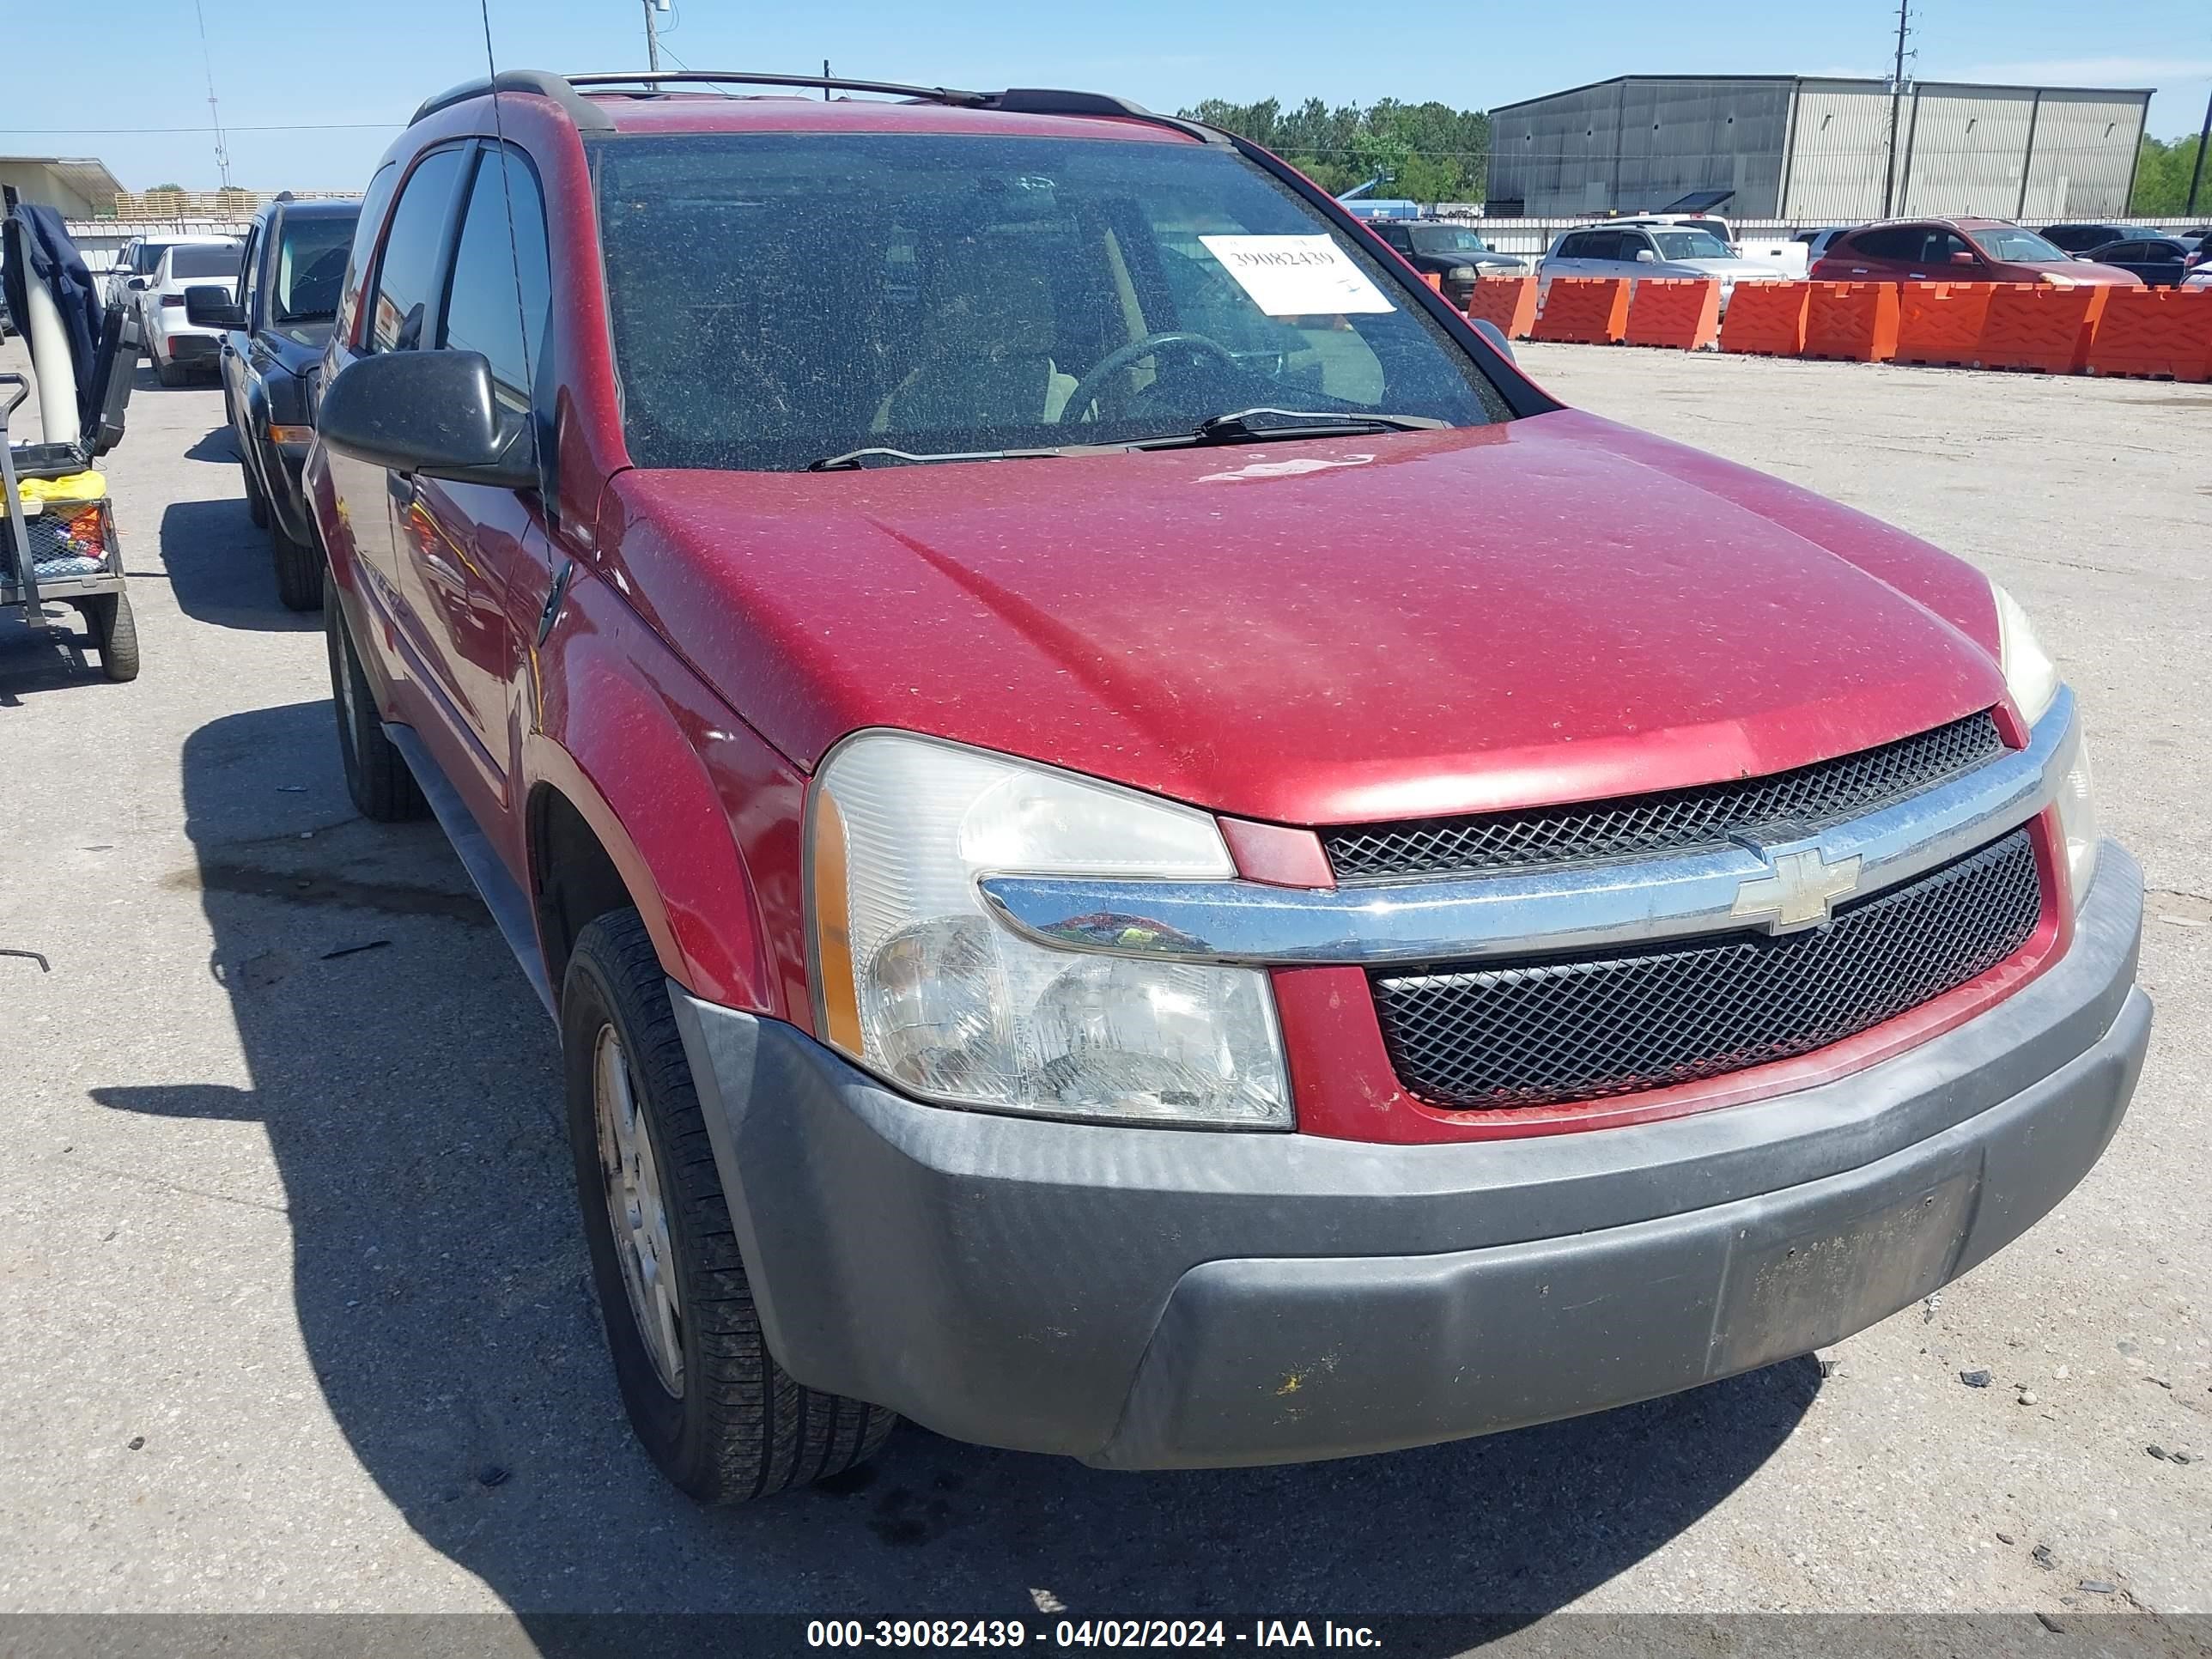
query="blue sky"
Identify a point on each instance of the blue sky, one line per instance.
(338, 79)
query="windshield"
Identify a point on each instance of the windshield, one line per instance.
(212, 259)
(1448, 239)
(1690, 245)
(776, 298)
(310, 262)
(2016, 246)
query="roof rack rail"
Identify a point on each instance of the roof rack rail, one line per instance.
(650, 81)
(565, 90)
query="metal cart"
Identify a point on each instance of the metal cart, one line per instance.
(59, 549)
(62, 550)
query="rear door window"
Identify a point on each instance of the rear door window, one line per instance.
(201, 261)
(1898, 242)
(406, 273)
(373, 201)
(497, 300)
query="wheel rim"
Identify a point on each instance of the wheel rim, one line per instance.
(637, 1211)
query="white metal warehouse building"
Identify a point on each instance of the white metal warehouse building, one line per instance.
(1817, 150)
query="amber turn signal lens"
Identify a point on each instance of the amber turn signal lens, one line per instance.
(833, 929)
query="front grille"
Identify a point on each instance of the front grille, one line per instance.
(1585, 1029)
(1672, 821)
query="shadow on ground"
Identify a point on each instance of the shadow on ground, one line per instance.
(406, 1080)
(53, 658)
(219, 444)
(219, 567)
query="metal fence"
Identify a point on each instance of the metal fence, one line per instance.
(102, 240)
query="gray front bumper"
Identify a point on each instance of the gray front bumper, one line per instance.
(1145, 1297)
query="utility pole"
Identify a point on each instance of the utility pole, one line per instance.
(1896, 103)
(214, 115)
(2196, 173)
(653, 33)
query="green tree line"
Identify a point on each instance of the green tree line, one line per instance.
(2162, 179)
(1432, 152)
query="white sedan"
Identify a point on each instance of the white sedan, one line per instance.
(1637, 251)
(176, 346)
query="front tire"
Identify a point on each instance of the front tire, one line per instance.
(724, 1422)
(256, 504)
(376, 773)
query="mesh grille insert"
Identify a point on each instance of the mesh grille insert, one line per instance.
(1588, 1029)
(1674, 820)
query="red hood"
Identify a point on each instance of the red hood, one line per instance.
(1553, 609)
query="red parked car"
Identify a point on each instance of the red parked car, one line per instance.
(1957, 250)
(1094, 892)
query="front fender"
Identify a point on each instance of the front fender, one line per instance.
(678, 791)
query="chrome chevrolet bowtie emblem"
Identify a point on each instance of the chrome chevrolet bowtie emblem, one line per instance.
(1800, 890)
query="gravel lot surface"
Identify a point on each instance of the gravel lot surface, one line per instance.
(294, 1311)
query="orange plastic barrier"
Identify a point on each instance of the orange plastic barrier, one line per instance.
(1853, 321)
(1507, 302)
(1766, 317)
(2040, 325)
(1941, 323)
(2155, 332)
(1585, 311)
(1680, 312)
(1433, 281)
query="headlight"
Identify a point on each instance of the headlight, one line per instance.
(2031, 677)
(916, 980)
(2077, 819)
(2032, 681)
(1462, 274)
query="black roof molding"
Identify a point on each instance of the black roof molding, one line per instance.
(535, 82)
(1045, 100)
(567, 91)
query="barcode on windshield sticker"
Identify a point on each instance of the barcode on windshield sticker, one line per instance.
(1297, 276)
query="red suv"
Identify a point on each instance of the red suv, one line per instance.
(1095, 890)
(1957, 251)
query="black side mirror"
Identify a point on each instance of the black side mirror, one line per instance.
(433, 412)
(207, 306)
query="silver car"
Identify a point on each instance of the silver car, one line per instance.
(1637, 250)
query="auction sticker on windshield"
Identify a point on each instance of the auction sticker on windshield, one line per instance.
(1297, 276)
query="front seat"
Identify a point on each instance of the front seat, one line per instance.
(989, 329)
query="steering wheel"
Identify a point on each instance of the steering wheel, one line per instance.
(1087, 388)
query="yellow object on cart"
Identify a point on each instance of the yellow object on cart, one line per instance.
(68, 490)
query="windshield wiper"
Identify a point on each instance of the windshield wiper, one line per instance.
(852, 460)
(1263, 424)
